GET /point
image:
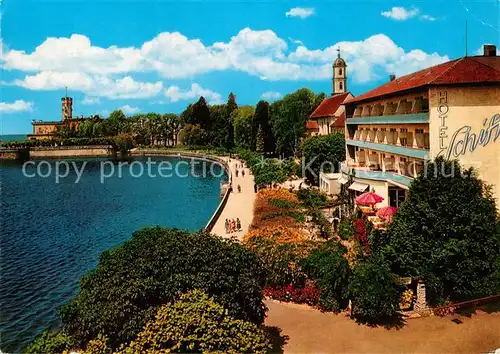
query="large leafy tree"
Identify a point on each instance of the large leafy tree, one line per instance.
(197, 324)
(289, 118)
(446, 231)
(374, 290)
(322, 154)
(243, 119)
(116, 122)
(118, 297)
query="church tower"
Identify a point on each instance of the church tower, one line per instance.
(67, 107)
(339, 75)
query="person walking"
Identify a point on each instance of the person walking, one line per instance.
(236, 173)
(239, 188)
(226, 226)
(242, 173)
(233, 225)
(238, 224)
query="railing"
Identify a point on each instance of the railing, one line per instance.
(450, 309)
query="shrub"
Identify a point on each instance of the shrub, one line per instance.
(98, 346)
(375, 292)
(308, 294)
(323, 154)
(447, 231)
(329, 269)
(346, 230)
(123, 142)
(50, 342)
(313, 199)
(197, 324)
(282, 203)
(118, 297)
(280, 258)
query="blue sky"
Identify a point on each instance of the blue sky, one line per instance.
(159, 56)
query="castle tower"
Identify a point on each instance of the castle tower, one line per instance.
(339, 75)
(67, 107)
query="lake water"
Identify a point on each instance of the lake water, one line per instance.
(12, 137)
(52, 233)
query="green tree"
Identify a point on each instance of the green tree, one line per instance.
(260, 147)
(197, 324)
(447, 231)
(115, 122)
(261, 119)
(65, 132)
(192, 135)
(120, 295)
(201, 114)
(375, 292)
(50, 342)
(322, 154)
(231, 107)
(328, 267)
(242, 119)
(288, 120)
(218, 135)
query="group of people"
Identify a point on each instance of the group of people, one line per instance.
(242, 172)
(232, 226)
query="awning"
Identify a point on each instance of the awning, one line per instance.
(343, 180)
(360, 187)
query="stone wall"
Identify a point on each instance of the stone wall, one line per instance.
(72, 151)
(13, 154)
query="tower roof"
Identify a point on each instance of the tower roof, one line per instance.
(339, 62)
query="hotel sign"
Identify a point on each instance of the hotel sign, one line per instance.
(464, 139)
(443, 110)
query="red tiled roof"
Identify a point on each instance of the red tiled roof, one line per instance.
(329, 106)
(339, 122)
(312, 124)
(458, 71)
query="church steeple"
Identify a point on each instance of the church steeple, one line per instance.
(339, 75)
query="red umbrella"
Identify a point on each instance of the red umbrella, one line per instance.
(369, 198)
(387, 212)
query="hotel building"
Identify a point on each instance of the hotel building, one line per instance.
(450, 110)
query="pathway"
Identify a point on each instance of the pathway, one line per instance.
(311, 331)
(239, 205)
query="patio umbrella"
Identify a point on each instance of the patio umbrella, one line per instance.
(369, 198)
(387, 212)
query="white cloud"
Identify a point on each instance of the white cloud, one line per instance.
(400, 13)
(271, 95)
(16, 106)
(92, 85)
(301, 12)
(130, 109)
(107, 72)
(91, 100)
(428, 18)
(175, 94)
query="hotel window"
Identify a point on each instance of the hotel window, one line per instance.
(383, 129)
(404, 130)
(396, 196)
(419, 131)
(393, 129)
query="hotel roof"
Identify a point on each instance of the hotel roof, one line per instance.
(329, 106)
(312, 124)
(466, 70)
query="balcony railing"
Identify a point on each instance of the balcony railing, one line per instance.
(391, 148)
(387, 118)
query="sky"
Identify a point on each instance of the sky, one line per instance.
(159, 56)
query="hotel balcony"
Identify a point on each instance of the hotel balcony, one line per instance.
(402, 111)
(405, 149)
(378, 175)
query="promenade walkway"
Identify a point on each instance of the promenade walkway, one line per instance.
(312, 331)
(239, 205)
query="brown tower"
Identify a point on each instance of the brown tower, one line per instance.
(339, 75)
(67, 108)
